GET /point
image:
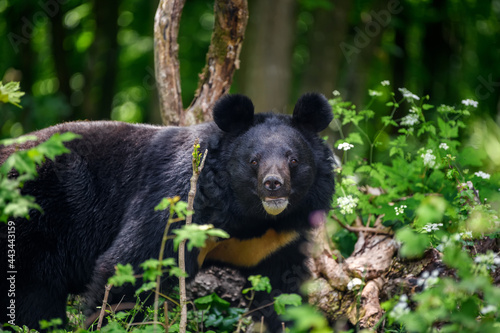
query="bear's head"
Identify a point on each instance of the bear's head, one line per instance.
(272, 158)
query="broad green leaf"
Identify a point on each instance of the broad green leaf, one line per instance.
(286, 299)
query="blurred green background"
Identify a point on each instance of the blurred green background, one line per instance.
(93, 60)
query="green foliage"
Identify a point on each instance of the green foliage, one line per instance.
(217, 313)
(426, 192)
(286, 299)
(176, 206)
(259, 283)
(307, 319)
(196, 235)
(10, 93)
(123, 274)
(25, 162)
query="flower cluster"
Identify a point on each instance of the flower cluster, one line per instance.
(354, 283)
(431, 227)
(385, 83)
(401, 308)
(466, 235)
(470, 102)
(428, 280)
(374, 93)
(488, 309)
(347, 204)
(444, 146)
(490, 260)
(410, 120)
(400, 209)
(408, 94)
(345, 146)
(429, 158)
(483, 175)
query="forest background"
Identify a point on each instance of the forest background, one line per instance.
(94, 59)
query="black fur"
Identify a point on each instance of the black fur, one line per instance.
(98, 202)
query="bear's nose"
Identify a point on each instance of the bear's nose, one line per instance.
(273, 182)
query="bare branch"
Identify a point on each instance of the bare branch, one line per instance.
(363, 229)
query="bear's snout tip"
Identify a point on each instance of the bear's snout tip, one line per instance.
(273, 182)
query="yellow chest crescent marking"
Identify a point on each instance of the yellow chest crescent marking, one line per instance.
(248, 252)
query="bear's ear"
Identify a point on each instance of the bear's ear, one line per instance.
(233, 113)
(313, 111)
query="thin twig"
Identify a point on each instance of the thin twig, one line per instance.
(165, 309)
(363, 229)
(104, 305)
(182, 262)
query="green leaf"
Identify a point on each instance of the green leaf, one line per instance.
(286, 299)
(123, 274)
(146, 287)
(212, 300)
(413, 244)
(196, 235)
(259, 283)
(354, 137)
(10, 93)
(307, 319)
(427, 106)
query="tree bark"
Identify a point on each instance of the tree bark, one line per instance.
(222, 60)
(168, 80)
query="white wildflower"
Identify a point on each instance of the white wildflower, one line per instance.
(410, 120)
(336, 93)
(483, 175)
(488, 309)
(466, 235)
(429, 158)
(401, 308)
(444, 146)
(385, 83)
(374, 93)
(347, 204)
(490, 260)
(431, 227)
(345, 146)
(400, 209)
(428, 280)
(408, 94)
(354, 283)
(470, 102)
(413, 109)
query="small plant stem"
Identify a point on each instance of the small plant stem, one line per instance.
(104, 305)
(372, 144)
(182, 261)
(165, 309)
(160, 259)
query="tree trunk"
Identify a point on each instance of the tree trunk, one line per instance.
(329, 30)
(222, 60)
(267, 55)
(100, 73)
(168, 77)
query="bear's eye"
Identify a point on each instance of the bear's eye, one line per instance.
(294, 161)
(254, 162)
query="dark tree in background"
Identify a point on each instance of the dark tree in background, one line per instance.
(142, 61)
(80, 59)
